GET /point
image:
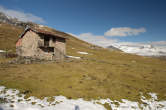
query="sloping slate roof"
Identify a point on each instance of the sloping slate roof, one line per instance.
(46, 31)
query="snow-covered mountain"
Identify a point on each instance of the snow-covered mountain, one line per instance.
(13, 21)
(142, 49)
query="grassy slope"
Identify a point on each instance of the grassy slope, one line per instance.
(104, 74)
(8, 36)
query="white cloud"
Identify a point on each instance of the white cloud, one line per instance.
(124, 31)
(22, 16)
(96, 39)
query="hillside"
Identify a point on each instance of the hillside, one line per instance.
(100, 73)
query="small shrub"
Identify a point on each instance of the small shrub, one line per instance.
(33, 103)
(11, 105)
(3, 100)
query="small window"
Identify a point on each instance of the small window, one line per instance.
(61, 39)
(46, 41)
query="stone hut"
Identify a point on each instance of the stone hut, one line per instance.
(41, 44)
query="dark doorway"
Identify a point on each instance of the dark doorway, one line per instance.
(46, 41)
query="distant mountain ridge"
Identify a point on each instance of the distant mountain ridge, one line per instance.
(142, 49)
(13, 21)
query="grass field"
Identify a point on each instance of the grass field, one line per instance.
(100, 74)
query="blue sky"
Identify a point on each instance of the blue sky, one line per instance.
(90, 19)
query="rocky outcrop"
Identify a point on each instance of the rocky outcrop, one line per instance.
(112, 48)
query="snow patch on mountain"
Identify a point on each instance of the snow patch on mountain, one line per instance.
(2, 51)
(142, 49)
(73, 57)
(84, 53)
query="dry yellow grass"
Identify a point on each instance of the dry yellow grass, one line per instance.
(8, 36)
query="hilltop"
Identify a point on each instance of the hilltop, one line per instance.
(100, 73)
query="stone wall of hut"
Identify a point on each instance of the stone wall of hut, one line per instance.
(32, 45)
